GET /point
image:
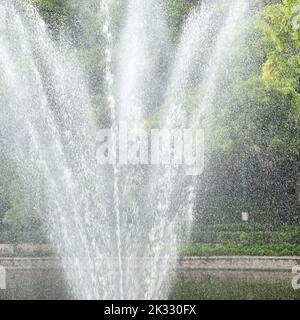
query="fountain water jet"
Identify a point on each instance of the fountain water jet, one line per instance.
(116, 228)
(49, 136)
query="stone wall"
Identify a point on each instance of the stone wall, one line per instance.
(239, 263)
(9, 250)
(21, 271)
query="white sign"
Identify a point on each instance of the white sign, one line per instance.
(245, 216)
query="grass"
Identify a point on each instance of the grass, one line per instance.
(44, 290)
(247, 234)
(233, 291)
(180, 291)
(248, 239)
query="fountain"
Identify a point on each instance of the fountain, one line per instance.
(115, 227)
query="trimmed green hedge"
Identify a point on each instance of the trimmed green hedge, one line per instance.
(233, 249)
(252, 238)
(246, 235)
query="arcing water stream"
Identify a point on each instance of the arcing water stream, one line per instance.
(116, 227)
